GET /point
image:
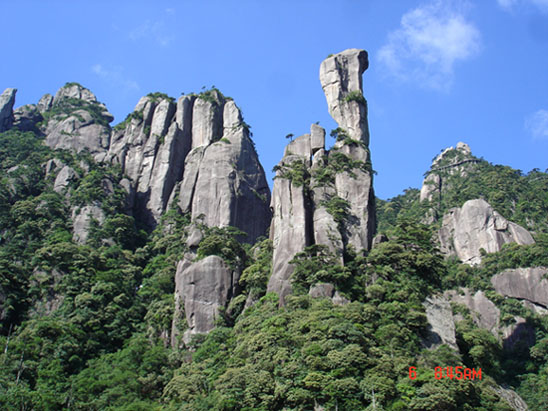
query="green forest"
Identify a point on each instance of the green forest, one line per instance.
(87, 326)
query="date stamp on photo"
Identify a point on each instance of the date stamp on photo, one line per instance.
(458, 373)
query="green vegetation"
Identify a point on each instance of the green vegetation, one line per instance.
(339, 208)
(157, 96)
(296, 172)
(355, 95)
(137, 115)
(88, 326)
(69, 107)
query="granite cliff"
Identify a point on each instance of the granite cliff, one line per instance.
(324, 196)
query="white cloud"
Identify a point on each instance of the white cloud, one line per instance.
(508, 5)
(115, 76)
(428, 44)
(537, 124)
(155, 31)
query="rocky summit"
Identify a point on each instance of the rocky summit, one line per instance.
(146, 265)
(325, 197)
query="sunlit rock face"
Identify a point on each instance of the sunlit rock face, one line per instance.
(474, 227)
(311, 182)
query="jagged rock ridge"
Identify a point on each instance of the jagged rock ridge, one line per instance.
(326, 197)
(195, 155)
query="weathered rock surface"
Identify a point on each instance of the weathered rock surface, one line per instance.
(475, 226)
(81, 221)
(341, 75)
(7, 99)
(289, 231)
(63, 179)
(484, 312)
(26, 118)
(441, 328)
(512, 398)
(312, 184)
(77, 122)
(196, 153)
(224, 181)
(203, 287)
(528, 284)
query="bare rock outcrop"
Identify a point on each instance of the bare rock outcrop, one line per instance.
(484, 312)
(223, 180)
(341, 79)
(196, 153)
(441, 329)
(320, 196)
(529, 284)
(512, 398)
(205, 287)
(7, 99)
(327, 290)
(81, 221)
(63, 179)
(475, 226)
(26, 118)
(76, 121)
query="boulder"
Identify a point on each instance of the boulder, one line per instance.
(7, 100)
(63, 179)
(529, 284)
(475, 226)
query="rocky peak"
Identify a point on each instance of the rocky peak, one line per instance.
(75, 120)
(196, 153)
(75, 91)
(341, 79)
(320, 196)
(453, 161)
(7, 100)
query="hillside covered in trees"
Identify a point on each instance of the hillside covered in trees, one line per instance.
(148, 266)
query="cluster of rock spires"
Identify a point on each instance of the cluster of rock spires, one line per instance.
(309, 177)
(196, 155)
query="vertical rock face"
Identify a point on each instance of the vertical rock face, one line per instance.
(205, 286)
(441, 328)
(197, 153)
(466, 231)
(7, 99)
(326, 197)
(484, 312)
(223, 180)
(341, 79)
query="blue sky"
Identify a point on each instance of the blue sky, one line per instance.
(440, 71)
